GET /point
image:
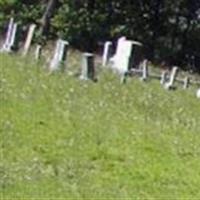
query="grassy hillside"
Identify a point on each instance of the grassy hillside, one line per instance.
(63, 138)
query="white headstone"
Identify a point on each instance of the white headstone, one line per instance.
(120, 40)
(62, 51)
(59, 55)
(54, 62)
(29, 39)
(169, 85)
(13, 36)
(124, 55)
(10, 36)
(38, 52)
(145, 71)
(106, 53)
(9, 33)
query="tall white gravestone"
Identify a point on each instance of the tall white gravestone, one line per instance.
(124, 56)
(13, 36)
(9, 33)
(10, 40)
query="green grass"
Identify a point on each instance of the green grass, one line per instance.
(63, 138)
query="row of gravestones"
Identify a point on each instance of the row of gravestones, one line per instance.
(125, 60)
(11, 41)
(60, 52)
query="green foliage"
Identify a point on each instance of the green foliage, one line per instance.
(7, 2)
(64, 138)
(22, 12)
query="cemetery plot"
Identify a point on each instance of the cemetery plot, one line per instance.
(126, 60)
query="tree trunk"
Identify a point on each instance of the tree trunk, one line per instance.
(155, 25)
(45, 21)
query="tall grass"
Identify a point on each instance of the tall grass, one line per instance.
(64, 138)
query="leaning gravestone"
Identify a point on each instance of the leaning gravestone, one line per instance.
(29, 39)
(8, 34)
(13, 36)
(60, 55)
(170, 84)
(10, 42)
(87, 68)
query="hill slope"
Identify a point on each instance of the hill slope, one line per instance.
(63, 138)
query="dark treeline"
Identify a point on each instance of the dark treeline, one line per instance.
(169, 29)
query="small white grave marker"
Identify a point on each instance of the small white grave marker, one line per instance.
(106, 53)
(163, 78)
(145, 71)
(60, 55)
(38, 52)
(29, 39)
(170, 84)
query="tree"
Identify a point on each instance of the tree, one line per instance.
(45, 21)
